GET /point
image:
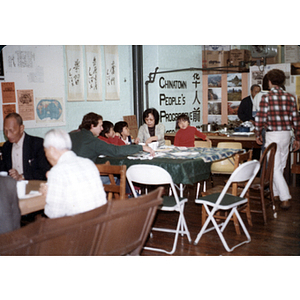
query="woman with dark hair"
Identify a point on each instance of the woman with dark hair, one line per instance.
(152, 130)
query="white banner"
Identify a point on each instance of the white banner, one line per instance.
(177, 93)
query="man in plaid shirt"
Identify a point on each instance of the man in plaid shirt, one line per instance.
(278, 115)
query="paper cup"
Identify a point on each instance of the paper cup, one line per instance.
(3, 173)
(154, 145)
(21, 188)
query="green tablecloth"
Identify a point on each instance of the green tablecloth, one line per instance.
(185, 165)
(185, 171)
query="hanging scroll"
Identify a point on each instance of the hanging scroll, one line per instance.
(112, 85)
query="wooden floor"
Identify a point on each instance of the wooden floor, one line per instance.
(279, 237)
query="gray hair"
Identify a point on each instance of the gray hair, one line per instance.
(58, 139)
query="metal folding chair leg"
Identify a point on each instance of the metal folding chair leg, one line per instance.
(223, 226)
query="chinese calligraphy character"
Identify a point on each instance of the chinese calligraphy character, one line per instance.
(74, 79)
(110, 79)
(196, 77)
(196, 114)
(93, 72)
(196, 98)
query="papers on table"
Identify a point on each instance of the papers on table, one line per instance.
(140, 156)
(185, 153)
(243, 133)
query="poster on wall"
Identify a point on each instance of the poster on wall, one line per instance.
(112, 84)
(8, 92)
(21, 59)
(7, 109)
(93, 73)
(49, 110)
(178, 93)
(257, 73)
(214, 97)
(74, 56)
(35, 72)
(234, 94)
(26, 104)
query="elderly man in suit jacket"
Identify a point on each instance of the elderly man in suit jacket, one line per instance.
(10, 216)
(245, 109)
(23, 155)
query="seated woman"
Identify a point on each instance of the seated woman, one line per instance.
(108, 134)
(152, 130)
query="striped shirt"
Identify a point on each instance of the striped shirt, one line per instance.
(278, 112)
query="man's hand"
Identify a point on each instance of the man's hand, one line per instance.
(259, 140)
(296, 145)
(15, 174)
(149, 149)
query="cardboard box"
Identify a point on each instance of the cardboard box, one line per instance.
(295, 69)
(215, 59)
(291, 54)
(238, 55)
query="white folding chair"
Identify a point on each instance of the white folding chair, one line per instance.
(155, 175)
(223, 201)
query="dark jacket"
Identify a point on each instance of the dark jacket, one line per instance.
(245, 109)
(35, 164)
(10, 216)
(84, 144)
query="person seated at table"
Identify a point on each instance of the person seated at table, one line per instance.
(86, 144)
(23, 155)
(152, 130)
(74, 185)
(10, 215)
(185, 136)
(108, 134)
(121, 129)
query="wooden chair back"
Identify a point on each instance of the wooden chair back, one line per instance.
(168, 143)
(262, 187)
(240, 158)
(116, 228)
(225, 166)
(296, 163)
(113, 190)
(203, 144)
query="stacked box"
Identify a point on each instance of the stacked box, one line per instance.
(215, 59)
(292, 54)
(237, 56)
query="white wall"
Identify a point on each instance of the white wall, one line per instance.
(168, 58)
(55, 85)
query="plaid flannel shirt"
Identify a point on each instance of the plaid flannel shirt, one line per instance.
(278, 112)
